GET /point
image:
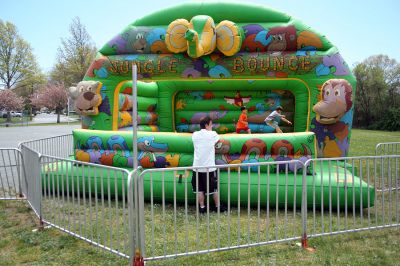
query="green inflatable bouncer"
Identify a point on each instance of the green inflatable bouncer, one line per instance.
(196, 60)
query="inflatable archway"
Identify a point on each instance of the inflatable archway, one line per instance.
(194, 60)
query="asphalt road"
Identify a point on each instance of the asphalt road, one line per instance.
(11, 136)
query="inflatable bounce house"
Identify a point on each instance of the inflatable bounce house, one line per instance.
(209, 59)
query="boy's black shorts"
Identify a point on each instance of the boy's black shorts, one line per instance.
(202, 178)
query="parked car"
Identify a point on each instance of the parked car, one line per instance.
(3, 114)
(16, 114)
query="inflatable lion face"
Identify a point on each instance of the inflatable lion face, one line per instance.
(87, 97)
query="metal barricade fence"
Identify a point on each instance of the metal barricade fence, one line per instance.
(259, 209)
(387, 148)
(88, 201)
(154, 213)
(12, 181)
(59, 146)
(361, 193)
(31, 175)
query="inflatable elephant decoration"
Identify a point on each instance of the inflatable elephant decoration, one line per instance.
(200, 36)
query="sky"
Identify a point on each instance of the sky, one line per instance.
(359, 28)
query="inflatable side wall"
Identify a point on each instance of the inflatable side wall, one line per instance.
(159, 150)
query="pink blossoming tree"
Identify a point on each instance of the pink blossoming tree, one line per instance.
(10, 101)
(53, 96)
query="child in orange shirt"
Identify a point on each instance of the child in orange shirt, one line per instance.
(242, 124)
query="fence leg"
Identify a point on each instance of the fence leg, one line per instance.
(304, 241)
(41, 224)
(138, 260)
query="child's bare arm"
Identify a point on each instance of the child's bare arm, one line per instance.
(283, 118)
(287, 121)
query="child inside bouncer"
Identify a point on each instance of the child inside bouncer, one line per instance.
(273, 119)
(242, 124)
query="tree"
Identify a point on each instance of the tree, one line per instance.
(378, 92)
(53, 96)
(74, 56)
(364, 96)
(27, 90)
(10, 101)
(18, 66)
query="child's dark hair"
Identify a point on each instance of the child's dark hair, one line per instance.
(242, 108)
(205, 121)
(279, 108)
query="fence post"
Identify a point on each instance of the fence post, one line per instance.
(131, 215)
(304, 242)
(38, 185)
(136, 220)
(140, 219)
(20, 168)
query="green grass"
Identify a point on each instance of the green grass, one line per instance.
(14, 120)
(19, 245)
(52, 124)
(363, 142)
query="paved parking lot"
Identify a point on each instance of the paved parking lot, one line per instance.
(11, 136)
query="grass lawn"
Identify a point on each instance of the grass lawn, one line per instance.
(19, 245)
(14, 120)
(363, 142)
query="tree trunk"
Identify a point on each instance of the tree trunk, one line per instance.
(8, 117)
(58, 117)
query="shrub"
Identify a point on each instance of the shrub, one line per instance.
(390, 120)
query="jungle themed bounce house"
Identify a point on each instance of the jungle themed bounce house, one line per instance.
(209, 59)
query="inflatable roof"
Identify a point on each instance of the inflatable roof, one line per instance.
(211, 58)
